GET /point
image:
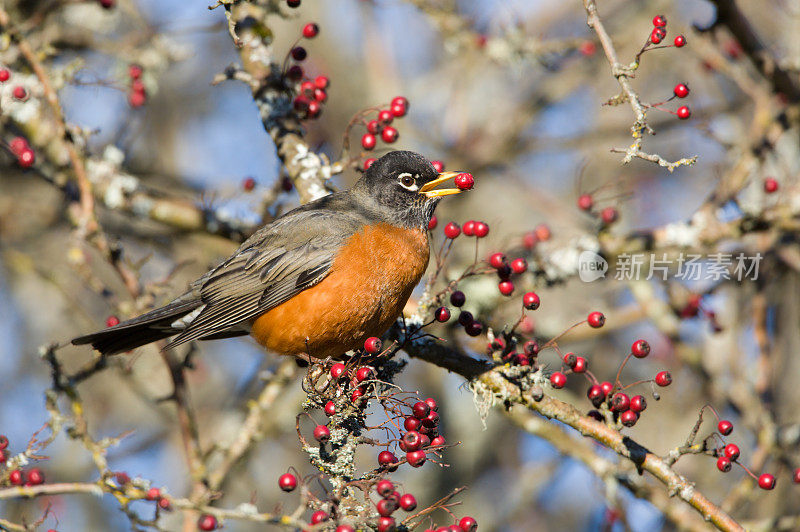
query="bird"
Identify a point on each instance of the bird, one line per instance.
(317, 281)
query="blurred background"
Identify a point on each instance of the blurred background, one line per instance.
(511, 91)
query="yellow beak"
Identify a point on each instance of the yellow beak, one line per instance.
(444, 176)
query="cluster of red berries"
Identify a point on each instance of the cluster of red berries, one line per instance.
(504, 271)
(465, 318)
(381, 126)
(540, 233)
(728, 454)
(138, 94)
(657, 35)
(22, 151)
(421, 432)
(18, 477)
(465, 524)
(18, 92)
(694, 306)
(624, 408)
(391, 500)
(311, 93)
(470, 228)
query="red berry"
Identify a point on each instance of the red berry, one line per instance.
(320, 95)
(421, 410)
(481, 229)
(766, 481)
(372, 345)
(531, 301)
(656, 36)
(35, 476)
(620, 402)
(469, 228)
(19, 92)
(442, 314)
(318, 517)
(595, 394)
(368, 163)
(680, 41)
(596, 319)
(638, 403)
(770, 185)
(452, 230)
(558, 380)
(732, 451)
(519, 265)
(607, 387)
(384, 488)
(497, 260)
(321, 82)
(399, 107)
(3, 442)
(385, 117)
(431, 402)
(796, 476)
(464, 181)
(337, 370)
(368, 141)
(18, 144)
(581, 364)
(659, 21)
(542, 232)
(134, 71)
(585, 202)
(112, 321)
(457, 298)
(386, 524)
(531, 348)
(322, 433)
(438, 166)
(249, 184)
(207, 522)
(164, 504)
(474, 328)
(365, 372)
(4, 75)
(26, 158)
(412, 440)
(153, 494)
(431, 420)
(640, 349)
(529, 240)
(287, 482)
(389, 134)
(356, 395)
(411, 423)
(408, 502)
(438, 441)
(723, 464)
(684, 112)
(570, 359)
(386, 458)
(310, 30)
(386, 507)
(587, 48)
(416, 458)
(432, 223)
(468, 524)
(629, 418)
(681, 90)
(506, 288)
(314, 109)
(330, 408)
(724, 427)
(137, 99)
(609, 215)
(663, 378)
(374, 127)
(300, 104)
(16, 477)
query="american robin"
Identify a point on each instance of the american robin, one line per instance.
(319, 280)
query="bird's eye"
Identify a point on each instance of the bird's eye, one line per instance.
(407, 181)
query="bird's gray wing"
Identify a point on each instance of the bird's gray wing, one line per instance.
(282, 259)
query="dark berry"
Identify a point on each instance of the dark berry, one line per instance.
(293, 3)
(457, 299)
(474, 329)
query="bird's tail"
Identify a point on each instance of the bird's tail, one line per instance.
(155, 325)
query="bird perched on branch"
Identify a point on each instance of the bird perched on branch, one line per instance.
(319, 280)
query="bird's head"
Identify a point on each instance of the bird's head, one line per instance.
(403, 183)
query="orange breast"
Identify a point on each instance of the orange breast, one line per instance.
(369, 283)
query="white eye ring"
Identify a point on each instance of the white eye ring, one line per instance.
(408, 182)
